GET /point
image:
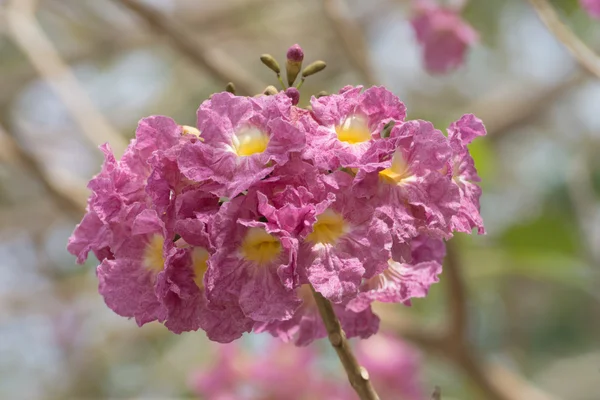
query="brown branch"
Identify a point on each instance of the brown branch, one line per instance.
(357, 375)
(351, 38)
(215, 62)
(31, 39)
(579, 50)
(71, 204)
(437, 394)
(456, 294)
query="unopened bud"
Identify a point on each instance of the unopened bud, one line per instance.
(295, 55)
(313, 68)
(190, 130)
(293, 94)
(230, 88)
(270, 62)
(387, 129)
(321, 94)
(270, 90)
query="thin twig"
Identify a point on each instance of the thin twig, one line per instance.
(357, 375)
(437, 394)
(456, 294)
(216, 63)
(69, 203)
(351, 38)
(29, 36)
(585, 56)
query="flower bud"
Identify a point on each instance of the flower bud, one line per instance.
(295, 55)
(387, 129)
(230, 88)
(293, 94)
(313, 68)
(270, 62)
(270, 90)
(321, 94)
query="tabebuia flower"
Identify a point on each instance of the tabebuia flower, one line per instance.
(592, 7)
(231, 226)
(444, 36)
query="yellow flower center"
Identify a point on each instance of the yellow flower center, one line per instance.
(354, 130)
(153, 254)
(398, 172)
(260, 247)
(199, 260)
(330, 226)
(250, 141)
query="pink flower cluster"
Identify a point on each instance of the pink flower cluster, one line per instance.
(225, 227)
(282, 371)
(443, 34)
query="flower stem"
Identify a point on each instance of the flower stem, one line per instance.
(357, 375)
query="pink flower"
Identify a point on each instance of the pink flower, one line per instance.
(127, 282)
(254, 265)
(445, 37)
(306, 324)
(347, 243)
(120, 184)
(345, 124)
(181, 289)
(464, 175)
(403, 175)
(402, 281)
(592, 7)
(393, 365)
(244, 138)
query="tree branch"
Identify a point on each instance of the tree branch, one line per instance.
(29, 36)
(216, 63)
(71, 204)
(457, 298)
(357, 375)
(579, 50)
(351, 38)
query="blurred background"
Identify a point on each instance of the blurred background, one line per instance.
(77, 73)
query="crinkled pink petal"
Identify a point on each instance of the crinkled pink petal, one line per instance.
(306, 325)
(128, 290)
(256, 288)
(187, 306)
(219, 119)
(376, 104)
(398, 284)
(90, 234)
(464, 174)
(336, 269)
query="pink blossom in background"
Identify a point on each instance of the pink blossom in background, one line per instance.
(282, 371)
(393, 365)
(592, 7)
(444, 36)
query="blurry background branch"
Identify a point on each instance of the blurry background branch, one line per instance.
(29, 36)
(71, 203)
(214, 61)
(580, 51)
(351, 37)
